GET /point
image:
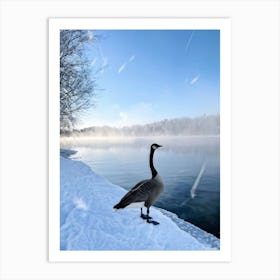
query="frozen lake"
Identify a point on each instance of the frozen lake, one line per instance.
(125, 162)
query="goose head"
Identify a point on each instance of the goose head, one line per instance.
(155, 146)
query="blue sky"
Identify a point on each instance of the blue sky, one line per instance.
(150, 75)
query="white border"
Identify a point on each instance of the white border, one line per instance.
(222, 24)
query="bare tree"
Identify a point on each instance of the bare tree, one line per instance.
(77, 81)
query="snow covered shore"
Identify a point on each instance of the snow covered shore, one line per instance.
(88, 221)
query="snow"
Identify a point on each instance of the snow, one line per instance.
(89, 222)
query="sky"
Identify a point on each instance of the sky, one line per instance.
(144, 76)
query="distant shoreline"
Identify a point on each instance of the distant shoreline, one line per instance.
(185, 126)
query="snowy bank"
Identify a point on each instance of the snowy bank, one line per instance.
(88, 221)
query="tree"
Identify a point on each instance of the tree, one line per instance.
(77, 81)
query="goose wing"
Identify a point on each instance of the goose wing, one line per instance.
(138, 185)
(140, 192)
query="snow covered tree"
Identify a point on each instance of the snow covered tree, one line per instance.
(77, 81)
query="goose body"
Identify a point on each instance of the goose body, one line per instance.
(144, 193)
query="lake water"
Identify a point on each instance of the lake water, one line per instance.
(126, 161)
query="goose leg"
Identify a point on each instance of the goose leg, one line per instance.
(143, 216)
(149, 218)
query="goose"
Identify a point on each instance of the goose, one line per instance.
(144, 193)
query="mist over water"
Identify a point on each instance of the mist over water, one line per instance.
(188, 165)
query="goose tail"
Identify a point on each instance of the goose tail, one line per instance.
(118, 206)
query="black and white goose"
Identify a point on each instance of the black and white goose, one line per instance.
(145, 192)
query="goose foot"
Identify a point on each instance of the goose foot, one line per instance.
(152, 222)
(148, 218)
(145, 217)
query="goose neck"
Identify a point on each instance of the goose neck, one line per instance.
(153, 170)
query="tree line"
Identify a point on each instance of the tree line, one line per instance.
(203, 125)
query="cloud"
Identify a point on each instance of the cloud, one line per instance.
(124, 65)
(93, 62)
(131, 58)
(105, 64)
(105, 61)
(194, 80)
(137, 113)
(119, 116)
(189, 42)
